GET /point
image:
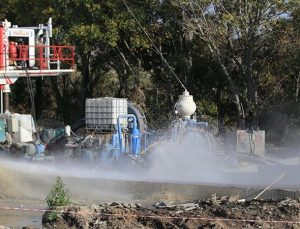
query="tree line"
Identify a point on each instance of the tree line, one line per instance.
(238, 58)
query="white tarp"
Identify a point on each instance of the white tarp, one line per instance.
(26, 128)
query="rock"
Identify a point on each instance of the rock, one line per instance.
(224, 199)
(113, 204)
(157, 204)
(100, 222)
(242, 201)
(95, 207)
(163, 204)
(190, 208)
(139, 205)
(126, 205)
(259, 213)
(178, 212)
(288, 202)
(188, 205)
(234, 199)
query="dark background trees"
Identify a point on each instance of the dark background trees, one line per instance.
(240, 59)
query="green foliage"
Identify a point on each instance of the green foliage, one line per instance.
(256, 42)
(236, 34)
(58, 195)
(49, 217)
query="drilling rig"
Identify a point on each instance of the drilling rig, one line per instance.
(115, 129)
(26, 52)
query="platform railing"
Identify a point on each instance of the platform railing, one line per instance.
(39, 57)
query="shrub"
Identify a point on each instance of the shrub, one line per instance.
(58, 195)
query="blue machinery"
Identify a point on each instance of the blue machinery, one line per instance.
(134, 137)
(127, 142)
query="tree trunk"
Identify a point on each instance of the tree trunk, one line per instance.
(221, 112)
(189, 64)
(86, 76)
(251, 89)
(234, 91)
(297, 87)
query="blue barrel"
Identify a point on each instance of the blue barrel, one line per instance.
(40, 148)
(136, 142)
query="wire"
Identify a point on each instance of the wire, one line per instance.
(74, 134)
(155, 47)
(31, 94)
(151, 216)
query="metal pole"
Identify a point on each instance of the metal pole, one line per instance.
(48, 35)
(6, 92)
(6, 102)
(1, 101)
(47, 49)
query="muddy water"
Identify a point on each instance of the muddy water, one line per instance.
(27, 184)
(18, 219)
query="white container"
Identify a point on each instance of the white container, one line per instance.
(12, 124)
(185, 106)
(23, 135)
(68, 131)
(103, 113)
(26, 128)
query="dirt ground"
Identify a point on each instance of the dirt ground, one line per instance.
(26, 185)
(225, 212)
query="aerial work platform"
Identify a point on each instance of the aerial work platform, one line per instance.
(26, 52)
(21, 63)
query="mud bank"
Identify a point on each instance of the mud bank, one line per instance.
(27, 185)
(225, 212)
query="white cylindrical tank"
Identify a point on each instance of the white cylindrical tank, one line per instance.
(68, 131)
(185, 106)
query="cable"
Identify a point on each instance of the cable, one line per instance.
(31, 94)
(155, 47)
(154, 216)
(30, 87)
(74, 134)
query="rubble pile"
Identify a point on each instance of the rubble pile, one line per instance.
(216, 212)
